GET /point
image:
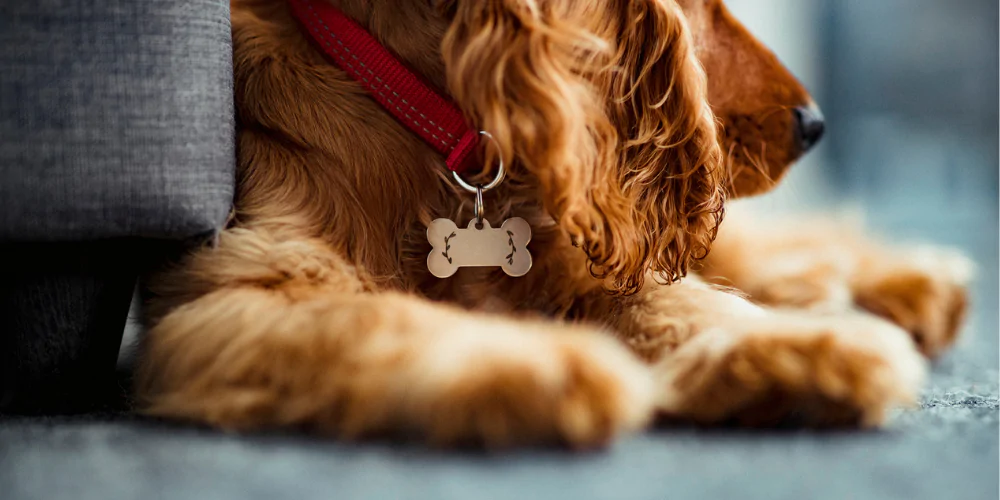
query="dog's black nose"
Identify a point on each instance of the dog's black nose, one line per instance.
(811, 126)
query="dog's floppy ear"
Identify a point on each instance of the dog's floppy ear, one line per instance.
(672, 161)
(603, 104)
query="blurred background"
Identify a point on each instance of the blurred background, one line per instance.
(909, 90)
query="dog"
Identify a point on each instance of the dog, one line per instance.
(625, 126)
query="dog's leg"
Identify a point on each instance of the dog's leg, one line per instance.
(719, 359)
(828, 266)
(282, 333)
(923, 290)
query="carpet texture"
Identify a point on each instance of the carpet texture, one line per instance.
(947, 449)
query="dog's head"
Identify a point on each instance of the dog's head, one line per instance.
(767, 118)
(605, 107)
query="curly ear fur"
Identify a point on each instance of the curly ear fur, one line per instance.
(607, 112)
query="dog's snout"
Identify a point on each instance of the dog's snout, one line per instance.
(810, 126)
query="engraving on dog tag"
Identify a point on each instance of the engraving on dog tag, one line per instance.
(505, 247)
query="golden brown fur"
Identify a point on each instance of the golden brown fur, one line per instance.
(314, 308)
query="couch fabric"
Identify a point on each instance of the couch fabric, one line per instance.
(115, 118)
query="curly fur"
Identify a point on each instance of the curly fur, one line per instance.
(611, 122)
(314, 308)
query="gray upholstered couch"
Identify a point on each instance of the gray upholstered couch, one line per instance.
(116, 146)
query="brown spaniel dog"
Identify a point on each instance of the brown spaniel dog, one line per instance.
(626, 124)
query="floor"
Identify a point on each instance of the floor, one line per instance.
(947, 448)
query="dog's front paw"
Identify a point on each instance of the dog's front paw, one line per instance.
(521, 388)
(923, 291)
(792, 372)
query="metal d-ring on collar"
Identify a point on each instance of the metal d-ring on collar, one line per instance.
(479, 189)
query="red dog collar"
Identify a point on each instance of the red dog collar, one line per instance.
(401, 92)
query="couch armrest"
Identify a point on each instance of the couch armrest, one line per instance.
(116, 119)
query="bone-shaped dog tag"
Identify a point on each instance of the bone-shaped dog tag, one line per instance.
(506, 247)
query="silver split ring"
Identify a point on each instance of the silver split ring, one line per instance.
(479, 210)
